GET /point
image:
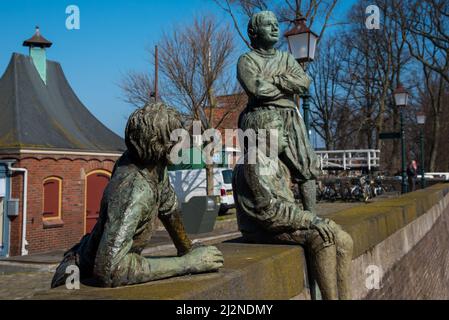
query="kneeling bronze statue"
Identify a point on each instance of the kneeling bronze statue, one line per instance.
(139, 191)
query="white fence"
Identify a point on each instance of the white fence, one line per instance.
(436, 175)
(349, 159)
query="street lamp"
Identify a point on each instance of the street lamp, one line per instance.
(421, 119)
(302, 44)
(401, 99)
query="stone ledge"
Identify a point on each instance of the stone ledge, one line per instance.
(251, 272)
(371, 224)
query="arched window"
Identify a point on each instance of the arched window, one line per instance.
(52, 198)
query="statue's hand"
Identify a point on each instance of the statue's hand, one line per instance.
(204, 259)
(325, 230)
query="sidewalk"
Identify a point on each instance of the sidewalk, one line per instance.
(160, 241)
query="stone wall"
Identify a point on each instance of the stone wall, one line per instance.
(423, 272)
(403, 243)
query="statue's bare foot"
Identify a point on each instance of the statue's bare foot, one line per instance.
(204, 259)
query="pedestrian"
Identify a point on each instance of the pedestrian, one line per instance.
(412, 173)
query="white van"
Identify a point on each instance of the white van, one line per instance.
(191, 183)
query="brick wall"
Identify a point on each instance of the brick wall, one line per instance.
(423, 273)
(72, 170)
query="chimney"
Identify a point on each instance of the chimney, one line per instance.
(37, 44)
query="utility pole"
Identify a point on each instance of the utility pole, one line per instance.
(156, 74)
(404, 184)
(423, 179)
(212, 104)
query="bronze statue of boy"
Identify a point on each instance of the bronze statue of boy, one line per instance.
(266, 209)
(139, 191)
(271, 78)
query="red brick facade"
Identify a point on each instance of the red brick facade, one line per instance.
(227, 112)
(72, 169)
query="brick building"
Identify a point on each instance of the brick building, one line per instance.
(55, 156)
(227, 112)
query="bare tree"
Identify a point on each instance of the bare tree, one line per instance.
(433, 91)
(286, 10)
(194, 62)
(433, 100)
(137, 88)
(329, 117)
(425, 28)
(371, 64)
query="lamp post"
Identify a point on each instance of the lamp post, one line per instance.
(421, 119)
(302, 44)
(401, 99)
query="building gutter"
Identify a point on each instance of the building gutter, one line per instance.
(24, 242)
(75, 153)
(61, 152)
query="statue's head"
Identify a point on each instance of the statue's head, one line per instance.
(147, 134)
(271, 122)
(263, 30)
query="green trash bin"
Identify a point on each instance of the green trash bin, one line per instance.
(200, 213)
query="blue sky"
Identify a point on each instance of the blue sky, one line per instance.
(111, 41)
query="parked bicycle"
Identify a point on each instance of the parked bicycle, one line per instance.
(355, 189)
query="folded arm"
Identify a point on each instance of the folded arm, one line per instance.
(294, 80)
(254, 83)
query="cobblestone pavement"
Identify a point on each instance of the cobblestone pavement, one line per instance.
(24, 285)
(23, 280)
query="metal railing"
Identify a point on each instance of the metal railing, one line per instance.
(349, 159)
(435, 175)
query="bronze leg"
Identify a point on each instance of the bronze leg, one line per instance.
(344, 260)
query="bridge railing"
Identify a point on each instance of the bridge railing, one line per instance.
(436, 175)
(349, 159)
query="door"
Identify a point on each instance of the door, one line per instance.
(96, 182)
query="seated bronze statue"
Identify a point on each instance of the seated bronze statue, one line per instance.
(268, 213)
(138, 193)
